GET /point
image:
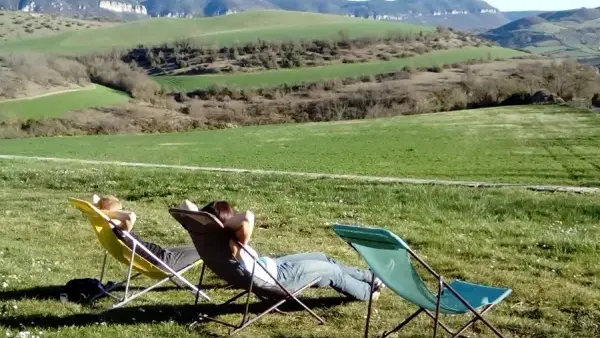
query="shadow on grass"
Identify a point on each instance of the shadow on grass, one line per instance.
(181, 314)
(52, 292)
(40, 292)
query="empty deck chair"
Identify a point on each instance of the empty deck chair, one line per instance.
(212, 242)
(389, 257)
(103, 226)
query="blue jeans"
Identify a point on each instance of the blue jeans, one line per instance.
(295, 271)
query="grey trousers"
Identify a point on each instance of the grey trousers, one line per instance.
(180, 257)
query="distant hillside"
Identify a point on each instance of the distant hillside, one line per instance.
(462, 14)
(563, 33)
(516, 15)
(475, 23)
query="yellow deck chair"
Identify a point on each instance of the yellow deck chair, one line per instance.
(103, 227)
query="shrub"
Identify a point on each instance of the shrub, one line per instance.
(409, 69)
(46, 70)
(112, 72)
(367, 78)
(384, 56)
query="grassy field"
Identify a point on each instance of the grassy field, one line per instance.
(299, 75)
(222, 30)
(543, 246)
(19, 25)
(58, 104)
(528, 144)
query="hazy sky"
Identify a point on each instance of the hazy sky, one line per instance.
(545, 5)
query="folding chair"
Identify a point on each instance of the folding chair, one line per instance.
(389, 257)
(105, 230)
(211, 240)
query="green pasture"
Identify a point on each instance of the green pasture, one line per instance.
(543, 246)
(312, 74)
(517, 144)
(221, 30)
(58, 104)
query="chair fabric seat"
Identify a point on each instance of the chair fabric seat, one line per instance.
(477, 295)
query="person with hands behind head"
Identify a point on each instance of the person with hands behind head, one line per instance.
(292, 271)
(175, 257)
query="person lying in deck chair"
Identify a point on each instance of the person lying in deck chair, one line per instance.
(175, 257)
(292, 270)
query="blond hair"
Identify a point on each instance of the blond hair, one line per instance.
(110, 203)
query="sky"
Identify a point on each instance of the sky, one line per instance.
(544, 5)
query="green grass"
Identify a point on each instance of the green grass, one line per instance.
(312, 74)
(223, 30)
(543, 246)
(527, 144)
(59, 104)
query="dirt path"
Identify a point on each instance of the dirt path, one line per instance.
(88, 87)
(379, 179)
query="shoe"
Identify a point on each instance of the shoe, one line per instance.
(378, 284)
(187, 205)
(377, 287)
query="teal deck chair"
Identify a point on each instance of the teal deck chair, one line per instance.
(389, 257)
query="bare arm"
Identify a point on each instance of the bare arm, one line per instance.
(124, 219)
(242, 224)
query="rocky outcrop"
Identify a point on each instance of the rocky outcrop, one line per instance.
(121, 7)
(30, 7)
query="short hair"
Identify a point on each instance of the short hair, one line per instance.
(220, 209)
(109, 202)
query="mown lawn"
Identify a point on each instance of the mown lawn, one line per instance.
(520, 144)
(543, 246)
(312, 74)
(222, 30)
(58, 104)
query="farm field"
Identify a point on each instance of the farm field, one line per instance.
(222, 30)
(57, 105)
(312, 74)
(517, 144)
(543, 246)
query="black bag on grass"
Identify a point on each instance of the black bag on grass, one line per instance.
(83, 290)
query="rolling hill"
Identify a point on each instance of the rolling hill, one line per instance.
(462, 14)
(562, 33)
(221, 30)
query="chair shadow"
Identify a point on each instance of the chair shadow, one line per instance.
(171, 288)
(181, 314)
(40, 292)
(52, 292)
